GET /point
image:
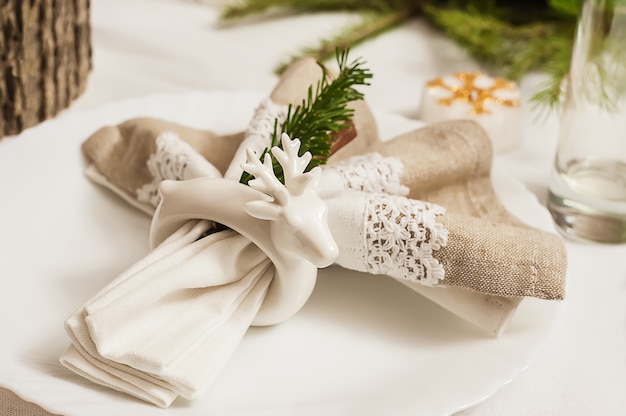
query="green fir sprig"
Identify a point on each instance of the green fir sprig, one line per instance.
(513, 37)
(513, 49)
(245, 8)
(369, 25)
(323, 113)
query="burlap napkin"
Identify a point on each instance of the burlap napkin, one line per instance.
(13, 405)
(491, 260)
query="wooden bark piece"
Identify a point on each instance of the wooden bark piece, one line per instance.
(45, 49)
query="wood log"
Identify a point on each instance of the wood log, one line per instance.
(45, 48)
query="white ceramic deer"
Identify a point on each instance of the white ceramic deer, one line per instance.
(288, 222)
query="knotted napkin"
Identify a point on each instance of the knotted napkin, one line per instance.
(419, 208)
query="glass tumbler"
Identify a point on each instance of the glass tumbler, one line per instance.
(587, 196)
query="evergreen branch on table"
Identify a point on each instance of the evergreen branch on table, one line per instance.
(514, 49)
(321, 114)
(566, 7)
(515, 36)
(370, 25)
(551, 91)
(245, 8)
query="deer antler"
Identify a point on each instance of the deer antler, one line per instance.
(296, 181)
(288, 158)
(264, 177)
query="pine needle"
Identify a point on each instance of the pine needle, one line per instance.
(514, 49)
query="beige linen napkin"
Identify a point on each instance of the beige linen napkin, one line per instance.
(13, 405)
(132, 158)
(488, 247)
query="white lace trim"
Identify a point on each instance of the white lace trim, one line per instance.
(372, 173)
(258, 134)
(261, 126)
(401, 235)
(173, 159)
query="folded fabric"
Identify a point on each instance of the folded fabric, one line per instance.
(449, 164)
(167, 325)
(133, 158)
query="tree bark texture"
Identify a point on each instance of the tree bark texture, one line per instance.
(45, 47)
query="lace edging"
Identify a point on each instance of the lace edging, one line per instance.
(261, 126)
(172, 159)
(372, 172)
(401, 235)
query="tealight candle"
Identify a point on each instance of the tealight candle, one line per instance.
(494, 103)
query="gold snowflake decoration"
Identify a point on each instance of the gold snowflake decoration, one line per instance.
(477, 96)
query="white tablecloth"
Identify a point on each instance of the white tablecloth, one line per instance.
(143, 47)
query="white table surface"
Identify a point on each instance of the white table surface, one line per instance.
(142, 47)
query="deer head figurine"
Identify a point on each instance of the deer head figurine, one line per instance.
(300, 217)
(288, 222)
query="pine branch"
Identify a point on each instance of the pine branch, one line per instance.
(515, 36)
(370, 26)
(241, 9)
(245, 8)
(566, 7)
(514, 49)
(323, 112)
(551, 92)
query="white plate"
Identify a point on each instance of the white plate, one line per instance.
(362, 344)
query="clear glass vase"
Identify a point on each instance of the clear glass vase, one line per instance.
(587, 196)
